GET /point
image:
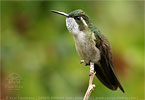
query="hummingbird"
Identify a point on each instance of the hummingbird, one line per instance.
(92, 46)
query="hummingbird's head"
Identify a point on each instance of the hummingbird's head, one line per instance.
(76, 21)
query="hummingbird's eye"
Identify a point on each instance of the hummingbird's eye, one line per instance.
(77, 18)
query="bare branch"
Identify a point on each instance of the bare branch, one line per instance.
(91, 85)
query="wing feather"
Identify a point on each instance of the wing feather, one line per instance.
(104, 68)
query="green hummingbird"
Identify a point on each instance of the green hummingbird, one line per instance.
(92, 46)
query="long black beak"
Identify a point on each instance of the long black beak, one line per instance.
(61, 13)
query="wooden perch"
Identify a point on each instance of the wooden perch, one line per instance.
(91, 85)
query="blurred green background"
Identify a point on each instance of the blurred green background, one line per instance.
(38, 56)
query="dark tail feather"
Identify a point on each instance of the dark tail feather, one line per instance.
(108, 78)
(121, 88)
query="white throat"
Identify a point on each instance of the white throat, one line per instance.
(72, 26)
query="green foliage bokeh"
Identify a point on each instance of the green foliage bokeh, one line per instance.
(37, 46)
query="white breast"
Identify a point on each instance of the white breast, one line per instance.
(86, 48)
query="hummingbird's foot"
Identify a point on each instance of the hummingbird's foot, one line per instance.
(87, 64)
(82, 61)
